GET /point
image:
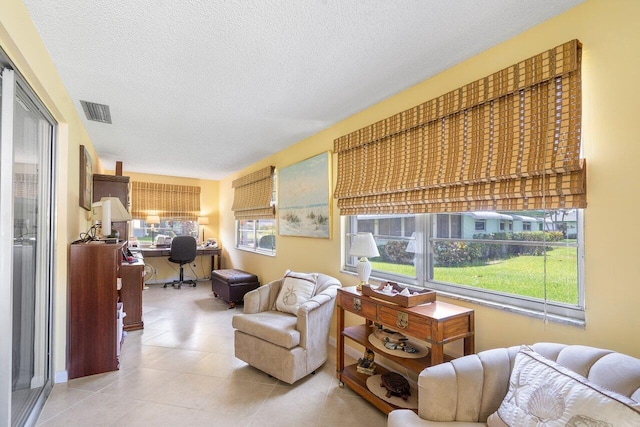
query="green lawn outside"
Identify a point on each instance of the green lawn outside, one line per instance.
(521, 275)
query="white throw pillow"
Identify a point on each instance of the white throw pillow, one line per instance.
(297, 288)
(542, 392)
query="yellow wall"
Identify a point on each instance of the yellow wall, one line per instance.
(609, 33)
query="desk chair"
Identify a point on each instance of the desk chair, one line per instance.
(183, 251)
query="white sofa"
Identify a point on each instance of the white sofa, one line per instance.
(285, 346)
(466, 391)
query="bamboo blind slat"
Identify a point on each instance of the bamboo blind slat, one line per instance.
(483, 140)
(253, 194)
(179, 202)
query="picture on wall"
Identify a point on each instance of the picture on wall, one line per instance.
(304, 200)
(86, 178)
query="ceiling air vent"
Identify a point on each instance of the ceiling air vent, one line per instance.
(96, 112)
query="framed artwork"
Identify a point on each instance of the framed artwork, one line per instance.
(86, 178)
(304, 200)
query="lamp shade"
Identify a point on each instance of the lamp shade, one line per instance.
(118, 211)
(203, 220)
(364, 245)
(153, 219)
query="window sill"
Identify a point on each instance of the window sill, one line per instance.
(253, 251)
(517, 310)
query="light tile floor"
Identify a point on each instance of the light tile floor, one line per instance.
(180, 371)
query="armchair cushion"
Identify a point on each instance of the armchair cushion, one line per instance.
(296, 289)
(272, 326)
(541, 390)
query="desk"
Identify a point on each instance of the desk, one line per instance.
(165, 252)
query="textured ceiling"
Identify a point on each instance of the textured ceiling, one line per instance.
(203, 88)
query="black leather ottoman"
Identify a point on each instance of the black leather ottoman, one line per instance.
(232, 284)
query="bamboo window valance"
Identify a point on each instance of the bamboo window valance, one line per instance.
(253, 194)
(178, 202)
(509, 141)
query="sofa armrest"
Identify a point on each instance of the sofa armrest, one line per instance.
(262, 298)
(467, 389)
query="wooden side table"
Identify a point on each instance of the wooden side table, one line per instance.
(436, 324)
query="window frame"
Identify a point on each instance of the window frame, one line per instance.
(556, 311)
(255, 248)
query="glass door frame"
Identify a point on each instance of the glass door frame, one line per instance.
(11, 85)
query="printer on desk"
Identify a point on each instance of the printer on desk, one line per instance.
(162, 241)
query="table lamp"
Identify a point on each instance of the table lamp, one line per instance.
(152, 220)
(363, 246)
(203, 220)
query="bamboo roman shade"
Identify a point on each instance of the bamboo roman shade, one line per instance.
(253, 194)
(178, 202)
(509, 141)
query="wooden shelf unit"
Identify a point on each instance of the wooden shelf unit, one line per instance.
(114, 186)
(436, 324)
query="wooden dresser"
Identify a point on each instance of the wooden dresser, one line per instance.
(435, 324)
(92, 297)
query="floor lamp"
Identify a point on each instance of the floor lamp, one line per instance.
(203, 220)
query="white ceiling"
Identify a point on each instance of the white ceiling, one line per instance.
(204, 88)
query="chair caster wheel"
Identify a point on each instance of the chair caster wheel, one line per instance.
(340, 384)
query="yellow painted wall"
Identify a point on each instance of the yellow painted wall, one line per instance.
(609, 33)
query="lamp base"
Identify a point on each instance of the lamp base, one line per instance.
(363, 269)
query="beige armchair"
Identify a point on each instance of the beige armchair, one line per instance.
(466, 391)
(285, 346)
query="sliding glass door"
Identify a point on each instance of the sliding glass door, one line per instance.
(26, 256)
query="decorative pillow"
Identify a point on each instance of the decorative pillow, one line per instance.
(297, 288)
(542, 392)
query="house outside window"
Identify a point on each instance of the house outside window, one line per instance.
(523, 266)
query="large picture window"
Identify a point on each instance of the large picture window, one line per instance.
(529, 260)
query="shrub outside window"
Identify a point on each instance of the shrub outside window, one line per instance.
(530, 260)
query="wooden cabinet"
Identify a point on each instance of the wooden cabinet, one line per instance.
(435, 324)
(131, 294)
(92, 298)
(113, 186)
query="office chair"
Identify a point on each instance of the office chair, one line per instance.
(183, 251)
